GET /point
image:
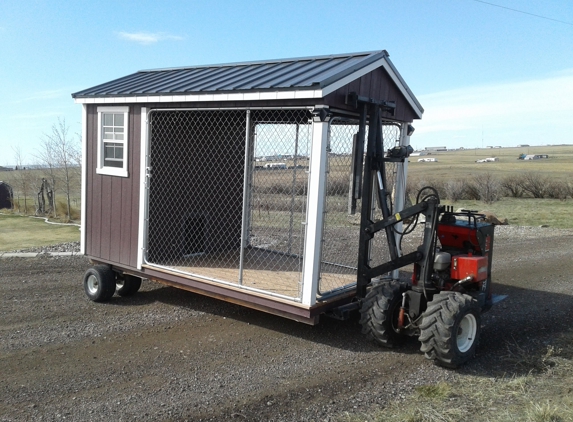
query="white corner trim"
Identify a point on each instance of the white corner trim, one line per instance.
(84, 194)
(315, 213)
(144, 146)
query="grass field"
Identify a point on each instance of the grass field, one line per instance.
(462, 163)
(18, 232)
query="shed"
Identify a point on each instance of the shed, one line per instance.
(171, 191)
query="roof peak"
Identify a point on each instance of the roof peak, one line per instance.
(272, 61)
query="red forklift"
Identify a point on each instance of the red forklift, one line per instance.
(451, 280)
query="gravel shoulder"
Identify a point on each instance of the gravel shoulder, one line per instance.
(167, 354)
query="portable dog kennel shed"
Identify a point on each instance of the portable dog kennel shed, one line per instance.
(234, 180)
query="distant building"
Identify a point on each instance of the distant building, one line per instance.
(436, 149)
(523, 146)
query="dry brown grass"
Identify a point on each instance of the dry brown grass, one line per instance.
(543, 394)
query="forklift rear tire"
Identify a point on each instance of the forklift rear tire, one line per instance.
(379, 313)
(99, 283)
(450, 329)
(127, 285)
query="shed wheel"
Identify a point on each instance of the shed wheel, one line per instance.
(450, 329)
(379, 313)
(127, 285)
(99, 283)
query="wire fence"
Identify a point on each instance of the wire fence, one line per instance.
(227, 198)
(341, 227)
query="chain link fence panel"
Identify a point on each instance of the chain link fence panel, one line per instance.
(204, 221)
(341, 228)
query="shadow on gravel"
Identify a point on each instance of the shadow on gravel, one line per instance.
(340, 334)
(519, 331)
(513, 331)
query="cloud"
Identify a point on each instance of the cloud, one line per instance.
(508, 112)
(146, 38)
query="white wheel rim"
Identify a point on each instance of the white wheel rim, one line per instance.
(466, 333)
(93, 284)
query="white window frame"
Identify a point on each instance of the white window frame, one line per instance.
(101, 168)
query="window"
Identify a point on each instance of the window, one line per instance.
(112, 139)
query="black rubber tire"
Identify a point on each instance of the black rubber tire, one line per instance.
(450, 329)
(128, 285)
(99, 283)
(379, 313)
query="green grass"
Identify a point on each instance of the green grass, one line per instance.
(453, 165)
(525, 211)
(17, 232)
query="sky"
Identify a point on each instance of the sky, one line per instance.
(495, 73)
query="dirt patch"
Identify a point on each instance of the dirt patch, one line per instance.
(167, 354)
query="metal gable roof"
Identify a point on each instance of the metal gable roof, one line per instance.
(300, 73)
(308, 77)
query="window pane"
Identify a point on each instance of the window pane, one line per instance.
(118, 120)
(113, 163)
(107, 119)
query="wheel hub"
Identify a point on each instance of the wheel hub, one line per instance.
(93, 284)
(466, 333)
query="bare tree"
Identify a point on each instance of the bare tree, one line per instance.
(47, 157)
(22, 179)
(62, 149)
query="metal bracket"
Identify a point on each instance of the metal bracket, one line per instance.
(353, 99)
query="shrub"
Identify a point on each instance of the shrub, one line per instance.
(487, 187)
(511, 186)
(534, 184)
(456, 190)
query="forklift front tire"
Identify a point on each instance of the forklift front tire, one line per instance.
(450, 329)
(379, 313)
(99, 283)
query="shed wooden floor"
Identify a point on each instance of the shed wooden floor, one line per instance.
(264, 270)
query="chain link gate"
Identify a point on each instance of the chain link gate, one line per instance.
(341, 228)
(227, 196)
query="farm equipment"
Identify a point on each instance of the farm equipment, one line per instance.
(451, 279)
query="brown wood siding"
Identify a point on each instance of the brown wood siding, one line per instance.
(378, 85)
(112, 203)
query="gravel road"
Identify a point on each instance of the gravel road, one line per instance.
(170, 355)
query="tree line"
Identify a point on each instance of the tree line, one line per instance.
(489, 188)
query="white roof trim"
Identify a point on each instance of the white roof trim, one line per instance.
(233, 96)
